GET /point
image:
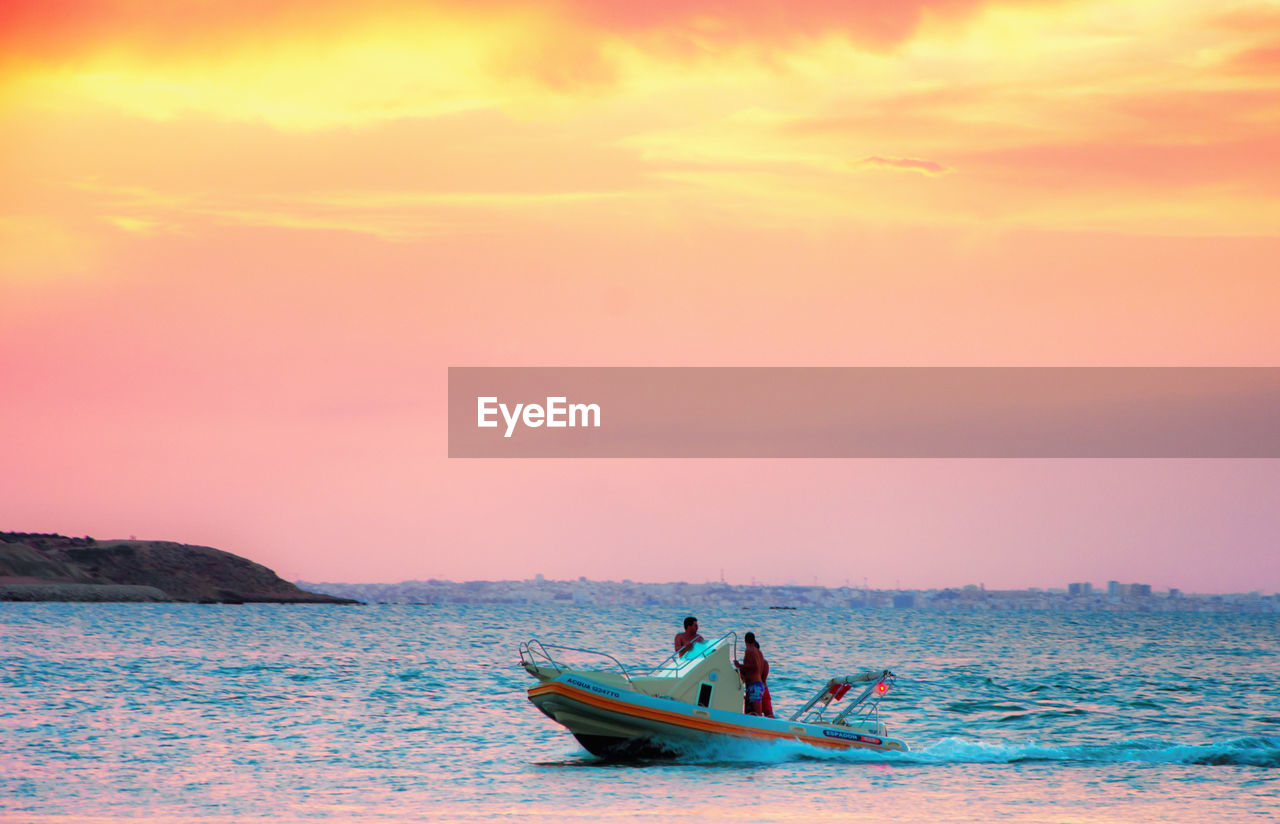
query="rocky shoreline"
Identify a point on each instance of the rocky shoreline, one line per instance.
(124, 593)
(51, 567)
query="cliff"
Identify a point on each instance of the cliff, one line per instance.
(43, 567)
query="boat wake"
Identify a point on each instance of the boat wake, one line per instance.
(1252, 751)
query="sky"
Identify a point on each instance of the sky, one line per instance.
(241, 245)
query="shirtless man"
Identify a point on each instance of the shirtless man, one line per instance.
(685, 640)
(752, 672)
(766, 700)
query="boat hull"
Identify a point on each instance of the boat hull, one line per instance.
(612, 721)
(626, 748)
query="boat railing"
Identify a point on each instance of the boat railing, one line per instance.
(865, 708)
(535, 655)
(677, 664)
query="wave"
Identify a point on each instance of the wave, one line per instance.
(1252, 751)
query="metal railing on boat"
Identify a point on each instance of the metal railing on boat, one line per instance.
(535, 654)
(677, 664)
(863, 709)
(533, 651)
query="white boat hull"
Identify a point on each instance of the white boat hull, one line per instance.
(612, 721)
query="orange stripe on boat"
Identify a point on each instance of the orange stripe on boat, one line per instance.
(690, 722)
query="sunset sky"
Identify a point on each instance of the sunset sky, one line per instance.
(241, 243)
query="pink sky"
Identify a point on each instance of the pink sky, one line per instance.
(238, 253)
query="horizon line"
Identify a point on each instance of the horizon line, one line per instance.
(979, 587)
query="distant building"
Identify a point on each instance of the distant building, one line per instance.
(1084, 588)
(1140, 590)
(904, 600)
(1113, 588)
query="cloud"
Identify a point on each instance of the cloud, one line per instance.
(928, 167)
(1248, 20)
(409, 120)
(1239, 166)
(389, 215)
(57, 28)
(134, 225)
(1264, 60)
(703, 24)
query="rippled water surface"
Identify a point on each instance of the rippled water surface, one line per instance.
(418, 713)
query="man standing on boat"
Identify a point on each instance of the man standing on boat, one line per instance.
(766, 700)
(685, 640)
(751, 670)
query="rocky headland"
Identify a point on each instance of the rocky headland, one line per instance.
(47, 567)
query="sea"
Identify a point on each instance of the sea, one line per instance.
(407, 713)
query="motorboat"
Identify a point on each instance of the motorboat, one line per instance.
(692, 698)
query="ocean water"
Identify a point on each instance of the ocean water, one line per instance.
(168, 713)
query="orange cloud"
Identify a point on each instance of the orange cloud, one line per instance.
(414, 120)
(928, 167)
(1264, 60)
(696, 24)
(55, 28)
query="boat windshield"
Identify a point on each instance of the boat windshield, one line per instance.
(677, 666)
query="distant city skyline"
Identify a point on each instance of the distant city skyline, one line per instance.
(1111, 588)
(687, 596)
